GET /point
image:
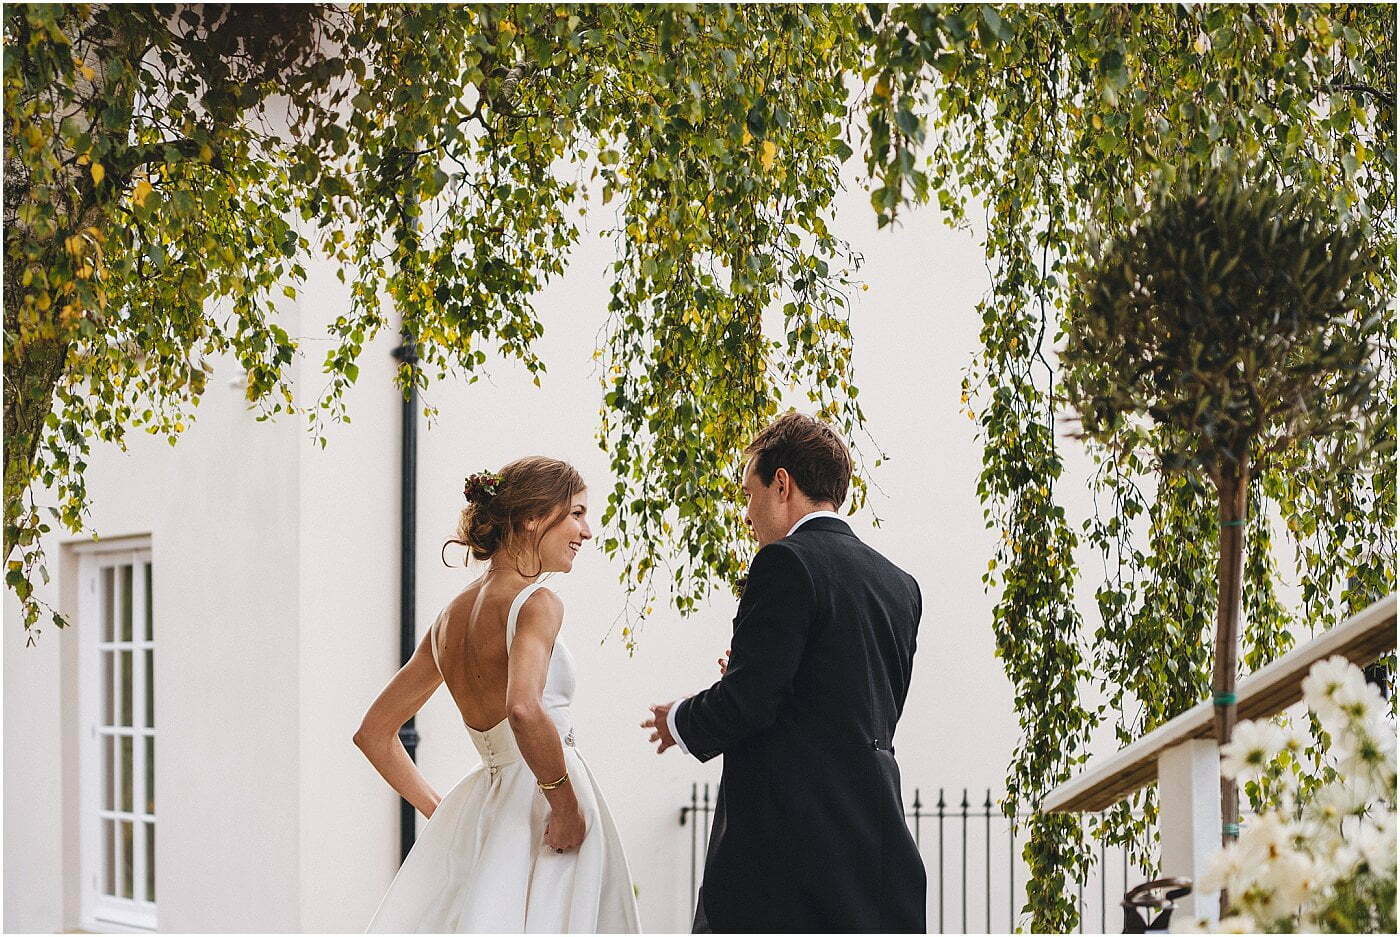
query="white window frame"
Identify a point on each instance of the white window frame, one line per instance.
(99, 911)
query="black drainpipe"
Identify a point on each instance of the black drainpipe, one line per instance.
(407, 353)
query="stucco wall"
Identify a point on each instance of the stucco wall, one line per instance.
(222, 513)
(276, 590)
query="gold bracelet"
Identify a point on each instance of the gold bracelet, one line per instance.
(553, 784)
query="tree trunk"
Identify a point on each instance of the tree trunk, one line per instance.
(1233, 489)
(36, 352)
(33, 366)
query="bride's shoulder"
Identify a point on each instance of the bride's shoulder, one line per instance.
(542, 606)
(542, 599)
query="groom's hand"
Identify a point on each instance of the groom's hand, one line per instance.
(661, 731)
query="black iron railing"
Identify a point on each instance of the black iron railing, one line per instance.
(963, 897)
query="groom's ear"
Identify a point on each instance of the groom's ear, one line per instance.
(782, 481)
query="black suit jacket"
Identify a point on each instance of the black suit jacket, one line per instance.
(809, 831)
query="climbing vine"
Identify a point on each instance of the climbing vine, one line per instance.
(442, 153)
(170, 170)
(752, 149)
(1060, 120)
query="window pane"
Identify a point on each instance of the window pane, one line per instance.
(109, 602)
(124, 693)
(107, 743)
(150, 862)
(108, 859)
(150, 775)
(150, 690)
(128, 846)
(126, 602)
(108, 661)
(126, 773)
(150, 617)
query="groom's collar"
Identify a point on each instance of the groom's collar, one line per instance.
(816, 515)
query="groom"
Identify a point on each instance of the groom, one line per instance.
(809, 832)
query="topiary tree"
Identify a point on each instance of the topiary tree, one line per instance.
(1233, 322)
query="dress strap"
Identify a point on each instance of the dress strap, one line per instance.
(434, 633)
(514, 613)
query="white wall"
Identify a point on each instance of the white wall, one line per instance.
(33, 778)
(347, 610)
(222, 513)
(276, 591)
(914, 332)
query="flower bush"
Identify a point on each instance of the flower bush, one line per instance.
(1319, 855)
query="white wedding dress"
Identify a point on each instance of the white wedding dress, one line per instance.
(480, 864)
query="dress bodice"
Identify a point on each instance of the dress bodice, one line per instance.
(481, 863)
(497, 744)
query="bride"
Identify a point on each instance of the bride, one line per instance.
(524, 843)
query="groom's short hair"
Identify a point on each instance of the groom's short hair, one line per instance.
(813, 454)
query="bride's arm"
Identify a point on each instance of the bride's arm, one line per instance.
(378, 735)
(535, 732)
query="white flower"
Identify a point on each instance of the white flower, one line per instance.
(1295, 738)
(1342, 797)
(1221, 869)
(1262, 840)
(1368, 757)
(1252, 745)
(1360, 700)
(1325, 677)
(1331, 685)
(1341, 861)
(1236, 924)
(1290, 878)
(1291, 863)
(1197, 925)
(1376, 843)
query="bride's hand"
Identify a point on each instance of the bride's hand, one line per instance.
(724, 663)
(564, 829)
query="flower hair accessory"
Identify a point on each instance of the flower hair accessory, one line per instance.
(481, 486)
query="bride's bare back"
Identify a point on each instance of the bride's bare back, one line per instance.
(472, 653)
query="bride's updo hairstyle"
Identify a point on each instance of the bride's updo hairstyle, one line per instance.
(500, 504)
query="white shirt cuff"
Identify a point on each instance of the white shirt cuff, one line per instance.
(671, 723)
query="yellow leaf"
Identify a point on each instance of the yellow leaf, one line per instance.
(769, 151)
(143, 192)
(98, 173)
